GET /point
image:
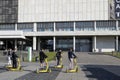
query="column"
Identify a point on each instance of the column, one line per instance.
(54, 43)
(54, 27)
(34, 43)
(95, 25)
(116, 47)
(39, 44)
(94, 44)
(74, 43)
(35, 27)
(16, 27)
(117, 26)
(74, 27)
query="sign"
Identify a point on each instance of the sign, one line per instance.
(117, 9)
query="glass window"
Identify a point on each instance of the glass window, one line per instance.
(106, 25)
(85, 26)
(64, 43)
(26, 27)
(7, 26)
(46, 26)
(64, 26)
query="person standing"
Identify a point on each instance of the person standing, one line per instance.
(71, 56)
(9, 57)
(14, 59)
(42, 57)
(58, 56)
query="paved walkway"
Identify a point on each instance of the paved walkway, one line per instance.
(91, 67)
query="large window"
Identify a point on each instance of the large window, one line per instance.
(7, 26)
(106, 25)
(64, 43)
(48, 26)
(26, 27)
(64, 26)
(84, 26)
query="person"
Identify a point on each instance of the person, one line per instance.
(71, 56)
(9, 57)
(58, 56)
(42, 57)
(14, 59)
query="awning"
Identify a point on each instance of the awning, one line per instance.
(11, 34)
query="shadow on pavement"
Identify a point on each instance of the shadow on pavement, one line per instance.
(102, 72)
(41, 76)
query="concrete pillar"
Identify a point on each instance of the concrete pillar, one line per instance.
(117, 28)
(39, 44)
(54, 27)
(74, 28)
(16, 27)
(95, 25)
(34, 43)
(116, 45)
(74, 43)
(54, 43)
(94, 44)
(35, 27)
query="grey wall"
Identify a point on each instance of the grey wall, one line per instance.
(8, 11)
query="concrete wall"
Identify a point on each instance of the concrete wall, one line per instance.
(62, 10)
(105, 44)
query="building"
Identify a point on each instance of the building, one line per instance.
(84, 25)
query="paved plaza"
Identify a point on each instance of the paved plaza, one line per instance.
(91, 67)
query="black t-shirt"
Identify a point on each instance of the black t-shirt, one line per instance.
(14, 56)
(58, 54)
(42, 55)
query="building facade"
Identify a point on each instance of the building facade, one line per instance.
(84, 25)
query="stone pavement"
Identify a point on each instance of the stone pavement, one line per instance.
(91, 67)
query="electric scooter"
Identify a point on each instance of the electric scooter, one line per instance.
(44, 70)
(60, 65)
(75, 69)
(19, 68)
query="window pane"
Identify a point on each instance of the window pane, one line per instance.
(64, 26)
(48, 26)
(85, 26)
(106, 25)
(7, 26)
(26, 27)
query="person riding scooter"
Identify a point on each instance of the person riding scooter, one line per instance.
(58, 57)
(71, 57)
(42, 57)
(14, 59)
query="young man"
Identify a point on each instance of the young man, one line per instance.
(14, 59)
(42, 57)
(71, 56)
(58, 56)
(9, 57)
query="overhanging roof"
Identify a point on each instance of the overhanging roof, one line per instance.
(11, 34)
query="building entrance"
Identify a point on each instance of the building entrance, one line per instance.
(83, 45)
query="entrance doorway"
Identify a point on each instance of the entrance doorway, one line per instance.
(83, 44)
